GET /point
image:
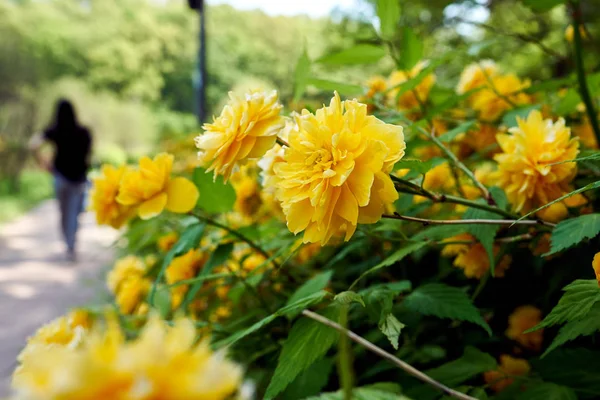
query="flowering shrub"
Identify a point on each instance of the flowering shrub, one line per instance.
(394, 246)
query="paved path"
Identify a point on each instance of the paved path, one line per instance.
(37, 284)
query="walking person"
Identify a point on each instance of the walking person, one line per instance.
(72, 144)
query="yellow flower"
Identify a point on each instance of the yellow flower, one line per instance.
(554, 213)
(151, 188)
(570, 33)
(472, 258)
(586, 135)
(439, 177)
(509, 366)
(162, 363)
(308, 252)
(103, 198)
(476, 75)
(124, 268)
(131, 293)
(166, 242)
(181, 268)
(246, 129)
(596, 266)
(525, 166)
(376, 84)
(248, 200)
(335, 174)
(410, 99)
(522, 319)
(500, 95)
(483, 139)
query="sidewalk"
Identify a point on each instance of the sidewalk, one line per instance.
(37, 285)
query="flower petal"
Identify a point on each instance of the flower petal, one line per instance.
(182, 195)
(153, 207)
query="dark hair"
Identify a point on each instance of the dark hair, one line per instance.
(65, 117)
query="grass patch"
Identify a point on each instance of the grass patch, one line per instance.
(34, 186)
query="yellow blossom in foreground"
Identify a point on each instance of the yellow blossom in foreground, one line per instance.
(335, 174)
(166, 242)
(522, 319)
(525, 166)
(103, 196)
(151, 188)
(162, 363)
(181, 268)
(498, 96)
(476, 75)
(410, 99)
(509, 366)
(246, 129)
(596, 266)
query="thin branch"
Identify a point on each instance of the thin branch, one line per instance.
(388, 356)
(583, 87)
(509, 222)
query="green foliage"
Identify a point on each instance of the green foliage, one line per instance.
(307, 342)
(330, 86)
(510, 118)
(484, 233)
(301, 75)
(361, 394)
(573, 231)
(444, 301)
(411, 49)
(348, 297)
(310, 382)
(31, 188)
(587, 325)
(453, 133)
(547, 391)
(542, 5)
(391, 328)
(359, 54)
(388, 12)
(215, 195)
(577, 368)
(313, 285)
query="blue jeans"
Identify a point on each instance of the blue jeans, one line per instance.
(70, 198)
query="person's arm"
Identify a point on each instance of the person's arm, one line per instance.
(35, 146)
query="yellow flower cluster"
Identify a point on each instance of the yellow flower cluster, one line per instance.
(495, 92)
(128, 283)
(472, 258)
(149, 189)
(162, 363)
(531, 167)
(410, 99)
(182, 268)
(166, 242)
(522, 319)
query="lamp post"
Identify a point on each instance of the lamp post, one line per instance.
(201, 80)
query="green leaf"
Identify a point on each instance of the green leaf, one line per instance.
(391, 259)
(188, 240)
(358, 54)
(462, 128)
(313, 285)
(394, 287)
(218, 257)
(391, 328)
(568, 103)
(361, 394)
(444, 301)
(579, 298)
(418, 166)
(301, 75)
(349, 297)
(547, 391)
(310, 382)
(576, 368)
(542, 5)
(590, 186)
(573, 231)
(510, 118)
(440, 232)
(330, 86)
(589, 324)
(388, 12)
(484, 233)
(162, 301)
(215, 195)
(411, 49)
(308, 341)
(472, 363)
(293, 308)
(591, 157)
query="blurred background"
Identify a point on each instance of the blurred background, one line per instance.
(131, 66)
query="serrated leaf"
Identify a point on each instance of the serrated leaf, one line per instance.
(330, 86)
(308, 341)
(453, 133)
(215, 195)
(572, 231)
(411, 49)
(510, 118)
(388, 12)
(310, 382)
(579, 298)
(484, 233)
(313, 285)
(585, 326)
(301, 75)
(358, 54)
(391, 259)
(443, 301)
(391, 328)
(547, 391)
(394, 287)
(576, 368)
(542, 5)
(349, 297)
(590, 186)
